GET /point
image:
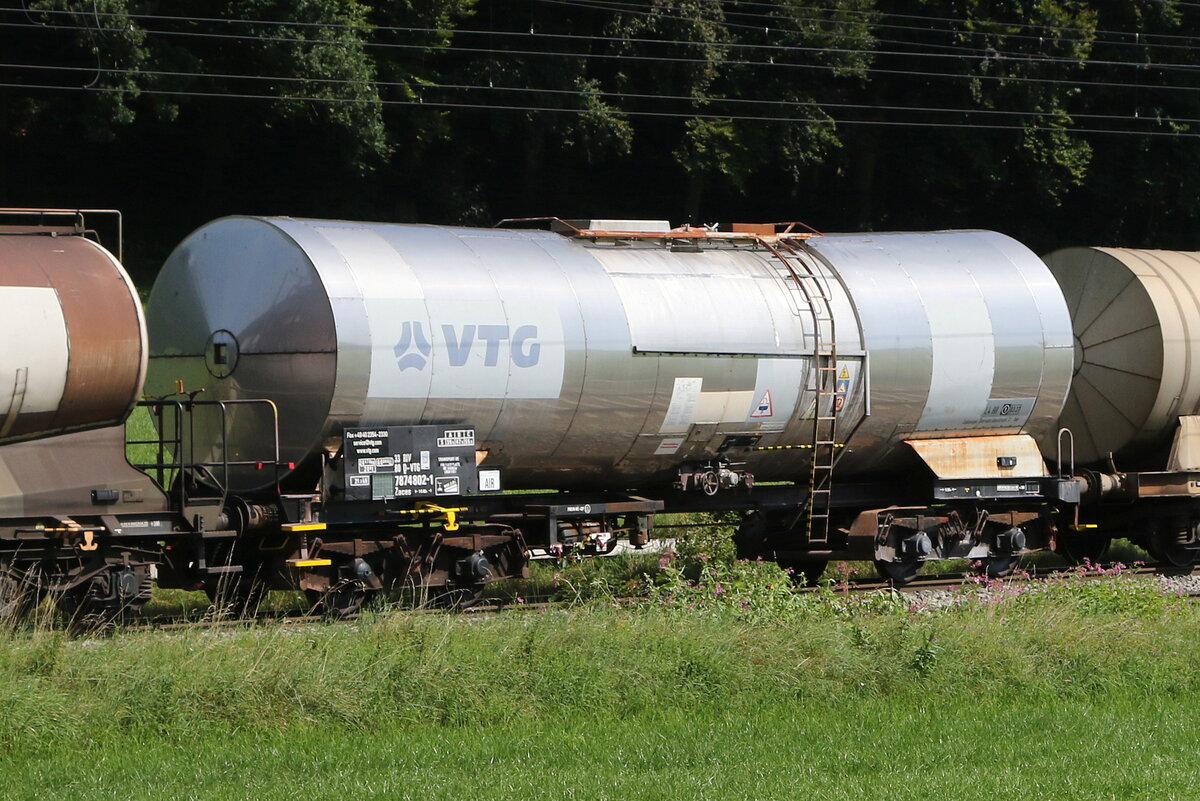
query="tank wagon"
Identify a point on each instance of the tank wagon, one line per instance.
(1135, 395)
(872, 395)
(70, 373)
(354, 408)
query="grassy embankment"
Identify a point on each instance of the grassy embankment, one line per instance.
(729, 686)
(726, 686)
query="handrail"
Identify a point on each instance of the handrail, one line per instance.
(80, 223)
(1059, 452)
(184, 446)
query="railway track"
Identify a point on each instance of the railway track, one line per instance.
(934, 583)
(941, 581)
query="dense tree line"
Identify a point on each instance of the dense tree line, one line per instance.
(1058, 121)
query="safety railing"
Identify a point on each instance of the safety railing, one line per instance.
(182, 461)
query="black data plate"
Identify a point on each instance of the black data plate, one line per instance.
(411, 462)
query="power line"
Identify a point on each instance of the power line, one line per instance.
(667, 59)
(871, 16)
(612, 6)
(633, 113)
(427, 86)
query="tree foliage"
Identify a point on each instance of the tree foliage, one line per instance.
(1060, 121)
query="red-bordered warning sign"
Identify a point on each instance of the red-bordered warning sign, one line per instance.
(763, 408)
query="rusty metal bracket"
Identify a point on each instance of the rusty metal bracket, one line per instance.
(757, 233)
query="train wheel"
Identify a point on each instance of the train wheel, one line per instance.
(1173, 549)
(236, 599)
(454, 597)
(750, 540)
(1078, 548)
(998, 566)
(107, 599)
(898, 573)
(19, 594)
(340, 600)
(806, 573)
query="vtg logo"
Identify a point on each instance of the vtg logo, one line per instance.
(414, 348)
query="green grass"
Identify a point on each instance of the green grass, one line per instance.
(836, 749)
(730, 687)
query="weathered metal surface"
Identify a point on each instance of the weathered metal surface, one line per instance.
(1007, 456)
(74, 354)
(61, 475)
(608, 363)
(1136, 321)
(1185, 448)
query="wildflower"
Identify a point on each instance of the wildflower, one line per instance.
(718, 589)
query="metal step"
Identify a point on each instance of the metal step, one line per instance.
(219, 570)
(218, 535)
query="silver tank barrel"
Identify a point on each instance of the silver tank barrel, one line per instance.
(581, 362)
(967, 334)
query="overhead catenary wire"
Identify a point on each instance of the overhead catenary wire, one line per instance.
(706, 100)
(872, 17)
(1065, 119)
(633, 113)
(676, 59)
(984, 52)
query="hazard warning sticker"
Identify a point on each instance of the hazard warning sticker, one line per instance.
(668, 446)
(763, 408)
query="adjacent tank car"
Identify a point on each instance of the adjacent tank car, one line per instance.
(1135, 396)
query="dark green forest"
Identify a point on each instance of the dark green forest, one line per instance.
(1056, 121)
